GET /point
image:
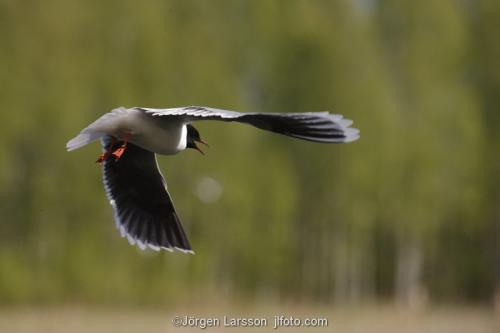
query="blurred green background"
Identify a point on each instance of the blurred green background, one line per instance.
(409, 213)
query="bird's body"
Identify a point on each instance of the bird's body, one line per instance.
(143, 209)
(159, 135)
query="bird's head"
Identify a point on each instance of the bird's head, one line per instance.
(193, 136)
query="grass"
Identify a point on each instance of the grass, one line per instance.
(385, 319)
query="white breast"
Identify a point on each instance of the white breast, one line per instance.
(162, 135)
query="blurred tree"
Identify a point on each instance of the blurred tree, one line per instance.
(426, 44)
(485, 73)
(405, 211)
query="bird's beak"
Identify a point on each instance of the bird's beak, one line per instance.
(203, 142)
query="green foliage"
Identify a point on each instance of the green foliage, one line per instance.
(412, 203)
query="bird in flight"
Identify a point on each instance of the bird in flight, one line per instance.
(143, 209)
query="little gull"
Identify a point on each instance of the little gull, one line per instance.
(137, 191)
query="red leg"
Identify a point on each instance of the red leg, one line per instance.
(119, 152)
(104, 156)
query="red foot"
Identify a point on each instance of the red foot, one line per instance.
(102, 158)
(107, 153)
(119, 152)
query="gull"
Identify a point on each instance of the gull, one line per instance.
(143, 209)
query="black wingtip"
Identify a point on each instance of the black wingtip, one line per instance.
(156, 233)
(143, 210)
(321, 127)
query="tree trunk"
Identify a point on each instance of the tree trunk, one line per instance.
(496, 296)
(410, 291)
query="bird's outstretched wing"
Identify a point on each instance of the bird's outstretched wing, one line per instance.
(143, 209)
(312, 126)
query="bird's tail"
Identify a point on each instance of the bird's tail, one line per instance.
(84, 138)
(104, 125)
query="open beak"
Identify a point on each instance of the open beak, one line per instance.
(203, 142)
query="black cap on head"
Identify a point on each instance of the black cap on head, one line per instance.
(193, 136)
(192, 133)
